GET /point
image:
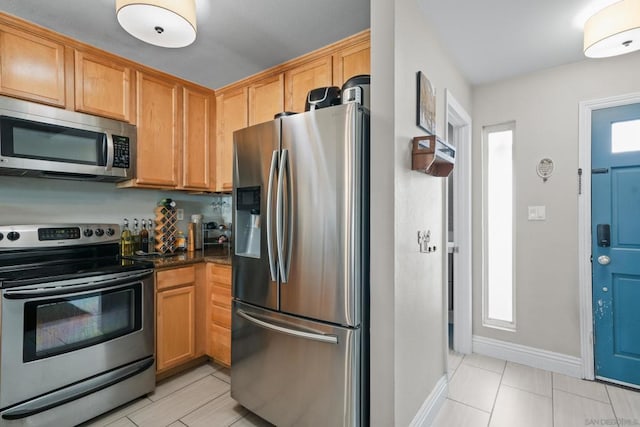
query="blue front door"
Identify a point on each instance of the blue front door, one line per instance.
(615, 230)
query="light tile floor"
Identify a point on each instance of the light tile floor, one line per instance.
(198, 397)
(484, 391)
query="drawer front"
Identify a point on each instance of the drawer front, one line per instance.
(175, 277)
(221, 344)
(221, 316)
(221, 296)
(219, 274)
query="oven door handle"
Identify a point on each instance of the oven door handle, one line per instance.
(62, 289)
(76, 391)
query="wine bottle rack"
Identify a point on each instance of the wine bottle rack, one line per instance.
(166, 229)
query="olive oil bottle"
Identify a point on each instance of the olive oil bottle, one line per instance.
(126, 241)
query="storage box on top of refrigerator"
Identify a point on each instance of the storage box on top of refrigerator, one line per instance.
(300, 269)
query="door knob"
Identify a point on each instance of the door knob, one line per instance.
(605, 289)
(604, 260)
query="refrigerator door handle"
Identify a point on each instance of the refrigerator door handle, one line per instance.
(331, 339)
(272, 173)
(284, 175)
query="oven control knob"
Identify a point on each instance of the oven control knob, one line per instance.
(1, 236)
(87, 232)
(99, 232)
(13, 235)
(110, 231)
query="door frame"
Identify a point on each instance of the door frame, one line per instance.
(584, 224)
(462, 267)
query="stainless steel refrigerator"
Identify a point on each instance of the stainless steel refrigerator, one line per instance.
(300, 328)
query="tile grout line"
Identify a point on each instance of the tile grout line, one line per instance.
(495, 399)
(204, 404)
(586, 397)
(186, 385)
(615, 416)
(468, 406)
(528, 391)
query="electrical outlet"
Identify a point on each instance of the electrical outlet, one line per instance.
(180, 214)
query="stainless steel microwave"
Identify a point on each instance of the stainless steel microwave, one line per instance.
(42, 141)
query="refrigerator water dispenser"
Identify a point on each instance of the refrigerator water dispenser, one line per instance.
(248, 222)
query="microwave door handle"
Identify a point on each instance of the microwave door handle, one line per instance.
(108, 139)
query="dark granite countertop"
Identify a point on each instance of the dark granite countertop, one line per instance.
(218, 255)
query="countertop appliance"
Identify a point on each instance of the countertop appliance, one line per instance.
(47, 142)
(77, 331)
(301, 292)
(357, 89)
(322, 97)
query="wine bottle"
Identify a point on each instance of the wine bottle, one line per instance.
(144, 237)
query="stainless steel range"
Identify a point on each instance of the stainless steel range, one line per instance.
(77, 331)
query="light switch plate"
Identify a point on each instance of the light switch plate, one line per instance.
(537, 213)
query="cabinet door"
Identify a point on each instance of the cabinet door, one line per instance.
(266, 99)
(351, 62)
(175, 326)
(300, 80)
(231, 108)
(197, 147)
(31, 67)
(221, 345)
(103, 87)
(158, 131)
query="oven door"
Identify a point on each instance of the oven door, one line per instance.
(59, 333)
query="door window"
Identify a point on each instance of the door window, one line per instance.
(498, 283)
(625, 136)
(60, 325)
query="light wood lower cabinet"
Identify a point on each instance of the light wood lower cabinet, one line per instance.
(176, 326)
(219, 319)
(180, 316)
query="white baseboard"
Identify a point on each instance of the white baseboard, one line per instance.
(534, 357)
(431, 406)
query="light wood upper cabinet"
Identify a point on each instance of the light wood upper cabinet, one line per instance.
(231, 115)
(159, 131)
(31, 67)
(266, 99)
(198, 152)
(301, 79)
(103, 87)
(352, 61)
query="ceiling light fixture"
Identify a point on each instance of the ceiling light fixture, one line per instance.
(614, 30)
(165, 23)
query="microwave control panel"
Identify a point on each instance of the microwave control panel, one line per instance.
(121, 152)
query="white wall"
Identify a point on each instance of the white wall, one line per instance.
(37, 200)
(407, 286)
(544, 106)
